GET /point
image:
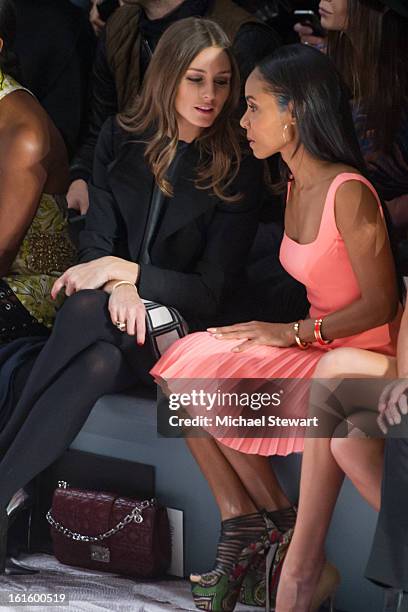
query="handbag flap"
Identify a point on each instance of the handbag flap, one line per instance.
(138, 543)
(85, 512)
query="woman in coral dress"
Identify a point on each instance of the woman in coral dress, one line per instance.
(336, 243)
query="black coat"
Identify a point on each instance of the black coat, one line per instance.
(201, 246)
(54, 44)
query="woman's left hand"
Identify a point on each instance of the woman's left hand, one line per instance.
(255, 333)
(95, 274)
(128, 311)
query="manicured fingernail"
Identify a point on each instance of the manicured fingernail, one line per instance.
(218, 335)
(212, 330)
(235, 350)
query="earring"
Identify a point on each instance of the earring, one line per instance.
(285, 128)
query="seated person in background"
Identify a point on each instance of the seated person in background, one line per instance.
(388, 562)
(123, 54)
(366, 40)
(54, 45)
(174, 209)
(34, 243)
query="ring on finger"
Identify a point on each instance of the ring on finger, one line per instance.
(120, 325)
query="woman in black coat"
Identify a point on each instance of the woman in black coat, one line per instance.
(173, 213)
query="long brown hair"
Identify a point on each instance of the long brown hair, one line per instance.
(372, 57)
(154, 109)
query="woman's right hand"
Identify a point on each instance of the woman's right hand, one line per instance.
(392, 404)
(307, 38)
(126, 306)
(77, 196)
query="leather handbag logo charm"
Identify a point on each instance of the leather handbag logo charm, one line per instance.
(100, 553)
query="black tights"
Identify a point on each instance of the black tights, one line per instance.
(84, 358)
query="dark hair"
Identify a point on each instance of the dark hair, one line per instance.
(372, 57)
(8, 27)
(308, 79)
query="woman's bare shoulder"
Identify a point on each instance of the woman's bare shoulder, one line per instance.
(356, 203)
(24, 128)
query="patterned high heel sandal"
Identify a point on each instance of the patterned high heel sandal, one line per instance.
(241, 539)
(261, 582)
(270, 560)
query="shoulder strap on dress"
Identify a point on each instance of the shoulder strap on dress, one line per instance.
(328, 217)
(8, 85)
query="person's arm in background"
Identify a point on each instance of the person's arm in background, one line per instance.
(103, 104)
(308, 38)
(100, 12)
(393, 401)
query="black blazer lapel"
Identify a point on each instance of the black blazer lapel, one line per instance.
(131, 183)
(188, 202)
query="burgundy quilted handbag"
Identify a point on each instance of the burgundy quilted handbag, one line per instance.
(105, 532)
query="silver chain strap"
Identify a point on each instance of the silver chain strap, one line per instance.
(135, 516)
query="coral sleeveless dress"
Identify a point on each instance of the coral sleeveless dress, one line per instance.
(324, 267)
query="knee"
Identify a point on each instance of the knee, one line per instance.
(83, 306)
(334, 364)
(347, 451)
(340, 449)
(103, 360)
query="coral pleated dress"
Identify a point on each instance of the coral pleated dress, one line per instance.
(324, 267)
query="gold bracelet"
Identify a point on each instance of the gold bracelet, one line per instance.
(124, 282)
(302, 345)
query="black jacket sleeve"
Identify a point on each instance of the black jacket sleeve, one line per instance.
(103, 104)
(104, 233)
(229, 236)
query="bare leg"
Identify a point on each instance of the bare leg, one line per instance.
(230, 494)
(241, 483)
(320, 472)
(321, 480)
(362, 461)
(242, 523)
(258, 478)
